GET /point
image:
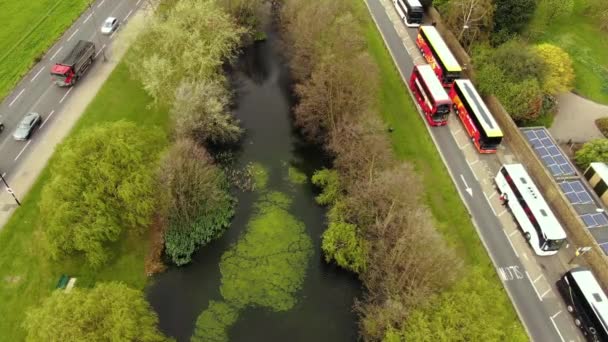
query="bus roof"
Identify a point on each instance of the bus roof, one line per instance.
(444, 53)
(544, 216)
(601, 169)
(414, 3)
(480, 110)
(592, 291)
(432, 82)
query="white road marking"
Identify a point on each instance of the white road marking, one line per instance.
(560, 311)
(490, 204)
(137, 3)
(38, 73)
(16, 97)
(473, 163)
(87, 18)
(558, 332)
(493, 194)
(502, 212)
(463, 145)
(101, 3)
(23, 149)
(545, 293)
(457, 131)
(540, 276)
(511, 243)
(127, 17)
(98, 52)
(112, 35)
(534, 287)
(466, 186)
(56, 52)
(66, 95)
(73, 34)
(47, 118)
(525, 256)
(3, 174)
(513, 232)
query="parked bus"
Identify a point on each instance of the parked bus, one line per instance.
(431, 96)
(475, 116)
(586, 301)
(540, 227)
(438, 55)
(410, 11)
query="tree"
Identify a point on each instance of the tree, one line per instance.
(519, 61)
(592, 151)
(196, 200)
(200, 112)
(342, 243)
(190, 41)
(472, 20)
(559, 76)
(246, 12)
(101, 185)
(108, 312)
(511, 17)
(555, 9)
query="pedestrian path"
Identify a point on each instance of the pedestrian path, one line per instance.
(575, 120)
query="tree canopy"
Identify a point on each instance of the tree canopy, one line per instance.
(593, 151)
(512, 16)
(470, 20)
(559, 76)
(107, 312)
(101, 185)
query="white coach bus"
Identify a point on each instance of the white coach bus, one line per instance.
(410, 11)
(540, 227)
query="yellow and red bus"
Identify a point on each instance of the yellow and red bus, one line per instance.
(438, 55)
(430, 95)
(475, 116)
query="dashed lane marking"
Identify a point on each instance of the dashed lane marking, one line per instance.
(137, 3)
(100, 3)
(73, 34)
(87, 18)
(23, 149)
(66, 95)
(512, 247)
(56, 52)
(16, 97)
(100, 50)
(534, 287)
(47, 118)
(112, 35)
(128, 14)
(38, 73)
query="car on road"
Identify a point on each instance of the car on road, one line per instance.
(1, 124)
(27, 125)
(109, 26)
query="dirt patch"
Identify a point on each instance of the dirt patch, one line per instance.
(13, 280)
(154, 262)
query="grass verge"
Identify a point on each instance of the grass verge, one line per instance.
(411, 142)
(26, 274)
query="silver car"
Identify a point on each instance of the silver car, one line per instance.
(27, 125)
(109, 26)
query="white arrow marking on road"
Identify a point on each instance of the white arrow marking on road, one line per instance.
(16, 97)
(469, 190)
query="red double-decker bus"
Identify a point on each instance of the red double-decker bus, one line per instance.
(431, 96)
(438, 55)
(475, 116)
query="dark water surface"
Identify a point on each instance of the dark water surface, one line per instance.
(323, 312)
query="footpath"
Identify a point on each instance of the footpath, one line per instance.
(24, 177)
(575, 119)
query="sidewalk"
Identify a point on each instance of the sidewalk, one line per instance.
(575, 119)
(22, 179)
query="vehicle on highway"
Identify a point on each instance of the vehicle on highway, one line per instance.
(430, 95)
(1, 124)
(27, 125)
(438, 55)
(109, 26)
(475, 117)
(74, 64)
(410, 11)
(541, 228)
(586, 301)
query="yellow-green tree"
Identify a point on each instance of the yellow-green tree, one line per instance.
(559, 74)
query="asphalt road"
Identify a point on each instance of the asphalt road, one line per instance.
(37, 93)
(525, 298)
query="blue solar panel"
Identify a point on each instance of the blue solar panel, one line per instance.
(566, 187)
(589, 220)
(605, 248)
(553, 158)
(577, 186)
(601, 219)
(576, 192)
(584, 197)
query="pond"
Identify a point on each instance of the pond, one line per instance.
(265, 278)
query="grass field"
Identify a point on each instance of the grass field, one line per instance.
(411, 142)
(29, 28)
(581, 37)
(26, 274)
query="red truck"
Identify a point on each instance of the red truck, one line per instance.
(74, 64)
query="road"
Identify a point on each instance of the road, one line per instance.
(539, 310)
(37, 93)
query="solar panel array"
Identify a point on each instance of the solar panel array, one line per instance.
(548, 152)
(595, 220)
(576, 192)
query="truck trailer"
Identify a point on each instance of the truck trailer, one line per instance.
(67, 72)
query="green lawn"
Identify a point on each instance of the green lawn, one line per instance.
(581, 37)
(26, 274)
(29, 28)
(412, 142)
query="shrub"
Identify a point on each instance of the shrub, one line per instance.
(602, 124)
(592, 151)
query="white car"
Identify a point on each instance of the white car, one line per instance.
(109, 26)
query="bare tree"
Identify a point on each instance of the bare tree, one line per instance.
(472, 19)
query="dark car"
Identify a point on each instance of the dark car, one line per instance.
(1, 124)
(27, 125)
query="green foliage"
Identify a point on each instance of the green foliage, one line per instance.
(602, 125)
(555, 9)
(296, 176)
(592, 151)
(108, 312)
(329, 181)
(559, 75)
(342, 244)
(197, 201)
(259, 174)
(457, 314)
(212, 325)
(519, 61)
(511, 17)
(101, 185)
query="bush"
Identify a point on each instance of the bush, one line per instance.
(602, 124)
(593, 151)
(559, 76)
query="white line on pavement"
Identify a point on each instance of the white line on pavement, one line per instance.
(98, 52)
(534, 287)
(463, 145)
(87, 18)
(23, 149)
(545, 293)
(16, 97)
(38, 73)
(473, 163)
(66, 95)
(112, 35)
(47, 118)
(540, 276)
(73, 33)
(557, 313)
(490, 204)
(137, 3)
(513, 232)
(558, 332)
(56, 52)
(457, 131)
(128, 14)
(493, 194)
(502, 212)
(511, 243)
(101, 3)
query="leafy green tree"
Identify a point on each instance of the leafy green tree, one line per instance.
(246, 12)
(197, 202)
(555, 9)
(592, 151)
(511, 17)
(522, 100)
(101, 185)
(190, 41)
(471, 20)
(519, 61)
(329, 182)
(559, 76)
(343, 243)
(108, 312)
